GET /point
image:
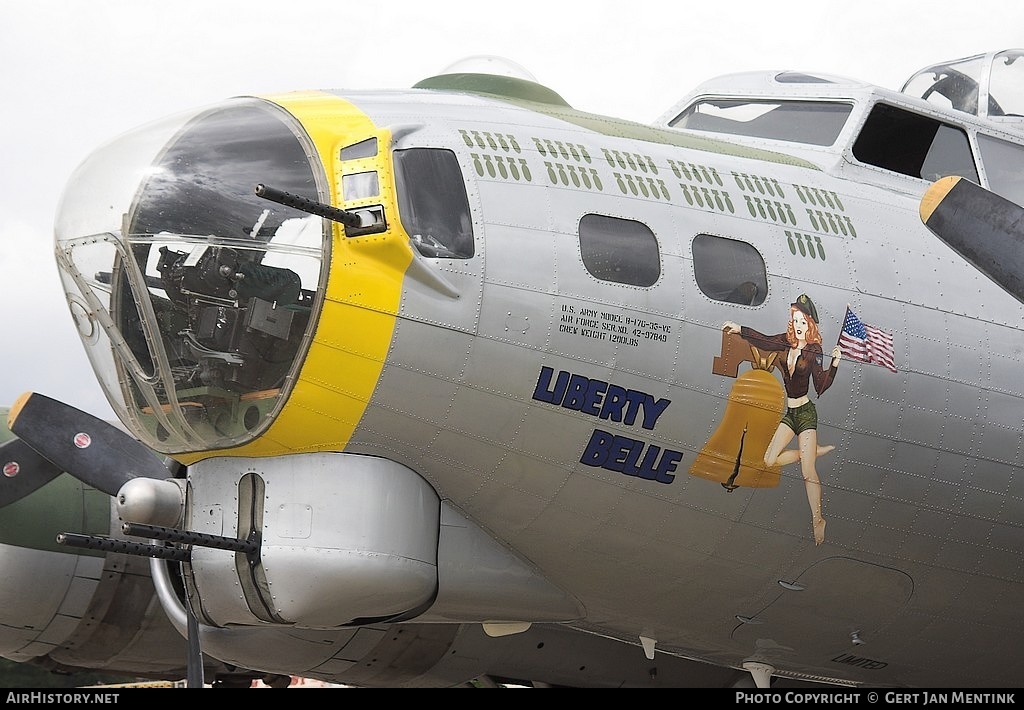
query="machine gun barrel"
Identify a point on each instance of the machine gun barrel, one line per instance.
(187, 537)
(106, 544)
(309, 206)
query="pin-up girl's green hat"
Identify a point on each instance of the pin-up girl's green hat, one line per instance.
(805, 304)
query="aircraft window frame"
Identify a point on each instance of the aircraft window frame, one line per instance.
(360, 186)
(983, 85)
(363, 149)
(950, 86)
(729, 270)
(804, 121)
(433, 204)
(914, 144)
(794, 77)
(619, 250)
(1005, 84)
(1002, 160)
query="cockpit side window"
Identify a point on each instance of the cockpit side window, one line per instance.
(810, 122)
(912, 144)
(1002, 161)
(432, 202)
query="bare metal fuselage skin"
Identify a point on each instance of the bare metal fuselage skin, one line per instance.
(524, 403)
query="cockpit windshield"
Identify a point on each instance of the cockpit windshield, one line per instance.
(986, 85)
(194, 295)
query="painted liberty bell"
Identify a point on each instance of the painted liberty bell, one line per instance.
(734, 454)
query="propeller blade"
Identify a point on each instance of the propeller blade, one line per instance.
(24, 471)
(90, 449)
(983, 227)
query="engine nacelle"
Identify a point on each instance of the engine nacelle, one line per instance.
(343, 539)
(348, 540)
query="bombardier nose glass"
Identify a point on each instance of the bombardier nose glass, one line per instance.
(195, 297)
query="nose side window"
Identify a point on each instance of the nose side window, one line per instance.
(432, 202)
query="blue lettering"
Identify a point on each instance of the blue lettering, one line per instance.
(576, 393)
(542, 394)
(633, 401)
(591, 404)
(597, 449)
(669, 460)
(599, 398)
(625, 452)
(614, 401)
(653, 410)
(646, 468)
(623, 455)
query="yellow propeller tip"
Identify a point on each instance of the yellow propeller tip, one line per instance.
(15, 409)
(935, 194)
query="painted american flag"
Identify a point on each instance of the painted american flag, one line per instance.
(866, 343)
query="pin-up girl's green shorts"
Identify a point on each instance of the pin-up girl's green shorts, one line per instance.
(802, 418)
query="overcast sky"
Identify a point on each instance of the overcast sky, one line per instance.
(75, 74)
